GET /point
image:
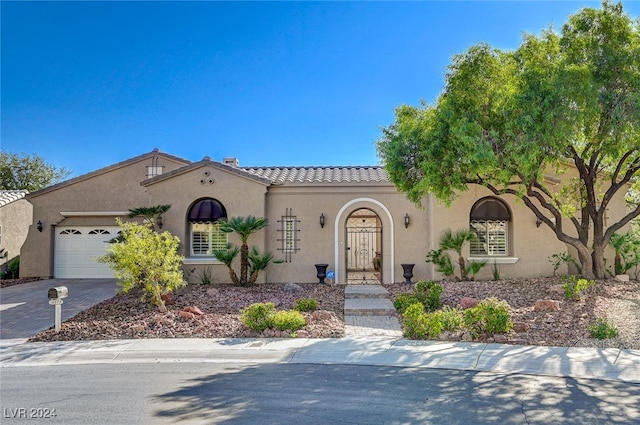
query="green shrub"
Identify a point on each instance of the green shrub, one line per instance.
(258, 316)
(204, 276)
(306, 304)
(428, 292)
(489, 316)
(13, 268)
(603, 329)
(573, 287)
(557, 260)
(288, 320)
(421, 325)
(403, 301)
(450, 317)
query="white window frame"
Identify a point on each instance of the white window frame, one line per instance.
(206, 238)
(492, 238)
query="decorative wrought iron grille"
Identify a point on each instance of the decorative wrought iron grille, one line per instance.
(289, 226)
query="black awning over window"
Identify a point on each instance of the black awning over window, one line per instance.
(207, 211)
(490, 209)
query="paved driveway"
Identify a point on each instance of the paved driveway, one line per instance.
(25, 308)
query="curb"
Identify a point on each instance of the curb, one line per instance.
(588, 363)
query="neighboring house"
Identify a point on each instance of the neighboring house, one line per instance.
(351, 218)
(15, 219)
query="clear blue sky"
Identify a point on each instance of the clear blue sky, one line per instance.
(87, 84)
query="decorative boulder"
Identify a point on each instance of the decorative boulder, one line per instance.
(520, 327)
(167, 298)
(194, 310)
(468, 302)
(555, 289)
(136, 329)
(292, 287)
(186, 314)
(547, 305)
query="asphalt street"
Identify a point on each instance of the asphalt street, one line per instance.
(305, 394)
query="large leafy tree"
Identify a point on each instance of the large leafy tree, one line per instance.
(28, 172)
(568, 99)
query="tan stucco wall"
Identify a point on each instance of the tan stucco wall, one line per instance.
(240, 196)
(529, 245)
(15, 219)
(337, 202)
(115, 189)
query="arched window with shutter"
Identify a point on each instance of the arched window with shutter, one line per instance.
(489, 220)
(206, 237)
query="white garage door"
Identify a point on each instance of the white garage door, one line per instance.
(76, 249)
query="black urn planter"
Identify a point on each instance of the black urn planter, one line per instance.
(407, 270)
(322, 272)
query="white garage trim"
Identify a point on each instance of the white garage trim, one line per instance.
(76, 249)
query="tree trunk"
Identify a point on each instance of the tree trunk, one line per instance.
(244, 264)
(233, 276)
(157, 299)
(463, 269)
(586, 260)
(599, 270)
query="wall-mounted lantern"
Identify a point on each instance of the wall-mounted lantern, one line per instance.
(159, 221)
(39, 226)
(406, 220)
(322, 220)
(538, 222)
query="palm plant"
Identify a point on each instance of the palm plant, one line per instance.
(626, 248)
(455, 241)
(244, 227)
(226, 256)
(151, 215)
(259, 262)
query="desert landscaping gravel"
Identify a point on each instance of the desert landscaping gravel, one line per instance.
(126, 316)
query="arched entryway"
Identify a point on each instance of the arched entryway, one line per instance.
(363, 243)
(383, 244)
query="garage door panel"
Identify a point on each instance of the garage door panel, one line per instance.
(76, 249)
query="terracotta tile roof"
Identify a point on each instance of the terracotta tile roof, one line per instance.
(9, 196)
(338, 174)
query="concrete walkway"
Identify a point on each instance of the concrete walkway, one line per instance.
(369, 313)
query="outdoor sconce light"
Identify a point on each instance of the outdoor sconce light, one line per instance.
(322, 220)
(159, 221)
(538, 222)
(39, 226)
(406, 220)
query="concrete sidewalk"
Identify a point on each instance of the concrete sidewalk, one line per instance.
(589, 363)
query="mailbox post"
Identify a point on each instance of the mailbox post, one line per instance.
(56, 294)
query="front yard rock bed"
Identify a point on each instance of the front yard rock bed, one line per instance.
(618, 302)
(203, 311)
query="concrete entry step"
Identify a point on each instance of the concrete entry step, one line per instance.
(365, 291)
(368, 307)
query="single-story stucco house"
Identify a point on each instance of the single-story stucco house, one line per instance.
(15, 219)
(351, 218)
